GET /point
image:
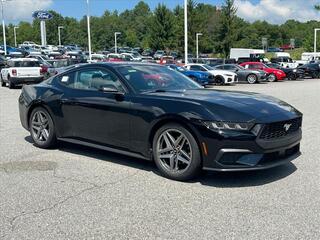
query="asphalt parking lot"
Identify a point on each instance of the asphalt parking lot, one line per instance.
(75, 192)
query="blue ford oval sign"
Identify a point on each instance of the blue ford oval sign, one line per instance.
(42, 15)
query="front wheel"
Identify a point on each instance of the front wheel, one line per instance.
(176, 152)
(42, 128)
(272, 78)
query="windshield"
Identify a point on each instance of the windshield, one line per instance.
(208, 67)
(152, 78)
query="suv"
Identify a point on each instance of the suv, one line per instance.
(273, 74)
(20, 71)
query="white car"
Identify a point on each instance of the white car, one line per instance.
(20, 71)
(220, 76)
(97, 57)
(136, 57)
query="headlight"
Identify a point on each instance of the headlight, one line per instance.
(294, 70)
(229, 126)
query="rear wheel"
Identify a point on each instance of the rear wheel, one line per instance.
(252, 78)
(42, 128)
(272, 78)
(11, 85)
(3, 84)
(176, 152)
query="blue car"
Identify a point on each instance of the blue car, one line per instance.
(203, 78)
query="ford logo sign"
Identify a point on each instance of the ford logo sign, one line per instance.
(42, 15)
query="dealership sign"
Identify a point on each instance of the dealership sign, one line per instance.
(42, 15)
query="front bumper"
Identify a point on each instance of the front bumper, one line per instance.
(243, 153)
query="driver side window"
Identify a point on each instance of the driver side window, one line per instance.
(93, 79)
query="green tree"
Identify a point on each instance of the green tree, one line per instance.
(162, 28)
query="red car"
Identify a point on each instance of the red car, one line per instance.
(273, 74)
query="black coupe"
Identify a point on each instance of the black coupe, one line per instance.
(151, 112)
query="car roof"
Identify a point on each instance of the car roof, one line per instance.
(251, 63)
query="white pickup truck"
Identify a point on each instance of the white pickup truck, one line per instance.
(20, 71)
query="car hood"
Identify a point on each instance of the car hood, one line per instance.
(235, 106)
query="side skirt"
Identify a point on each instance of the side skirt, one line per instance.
(109, 149)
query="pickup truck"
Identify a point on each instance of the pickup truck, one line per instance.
(21, 71)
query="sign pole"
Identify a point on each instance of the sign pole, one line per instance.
(43, 33)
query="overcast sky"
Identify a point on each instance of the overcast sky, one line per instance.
(273, 11)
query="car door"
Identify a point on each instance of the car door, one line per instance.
(97, 107)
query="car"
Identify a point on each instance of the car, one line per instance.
(273, 73)
(311, 69)
(22, 71)
(274, 49)
(220, 76)
(291, 73)
(203, 78)
(96, 57)
(244, 75)
(133, 56)
(151, 112)
(159, 54)
(285, 62)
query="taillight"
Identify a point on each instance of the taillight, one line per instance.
(43, 70)
(14, 72)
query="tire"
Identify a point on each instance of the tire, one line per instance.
(272, 78)
(252, 78)
(10, 84)
(3, 84)
(292, 76)
(42, 128)
(186, 158)
(219, 80)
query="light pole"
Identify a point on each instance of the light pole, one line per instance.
(197, 43)
(89, 33)
(115, 41)
(315, 38)
(15, 35)
(186, 31)
(59, 34)
(4, 27)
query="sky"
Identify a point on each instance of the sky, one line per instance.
(273, 11)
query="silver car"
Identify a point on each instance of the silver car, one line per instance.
(245, 75)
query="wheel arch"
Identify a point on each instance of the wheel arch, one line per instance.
(35, 105)
(178, 120)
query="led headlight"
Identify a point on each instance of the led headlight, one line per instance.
(229, 126)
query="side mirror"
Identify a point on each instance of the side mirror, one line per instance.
(108, 89)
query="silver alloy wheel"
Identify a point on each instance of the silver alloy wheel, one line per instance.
(40, 126)
(252, 78)
(272, 78)
(174, 151)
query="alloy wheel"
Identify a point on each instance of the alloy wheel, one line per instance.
(272, 78)
(40, 126)
(252, 79)
(174, 151)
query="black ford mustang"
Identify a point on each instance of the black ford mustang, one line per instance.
(151, 112)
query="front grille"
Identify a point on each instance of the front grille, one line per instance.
(278, 129)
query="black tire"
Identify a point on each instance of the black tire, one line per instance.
(252, 78)
(192, 169)
(10, 84)
(272, 78)
(315, 75)
(51, 139)
(219, 80)
(292, 76)
(3, 84)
